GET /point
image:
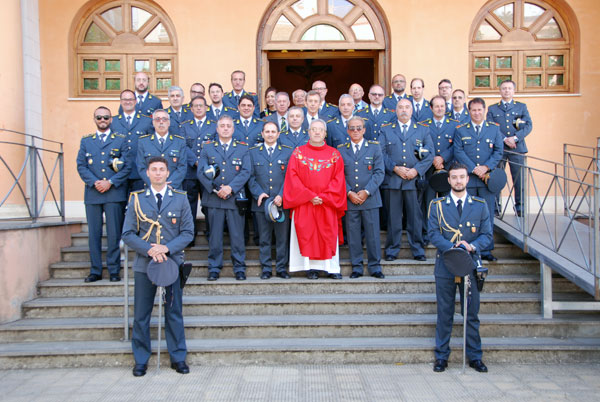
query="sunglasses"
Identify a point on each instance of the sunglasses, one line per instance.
(355, 128)
(103, 118)
(161, 119)
(372, 94)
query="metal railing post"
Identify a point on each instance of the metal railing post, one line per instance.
(33, 184)
(525, 200)
(596, 231)
(62, 183)
(546, 283)
(566, 178)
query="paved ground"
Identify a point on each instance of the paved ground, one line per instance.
(417, 382)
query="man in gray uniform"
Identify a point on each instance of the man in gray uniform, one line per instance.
(170, 146)
(219, 197)
(364, 170)
(105, 191)
(269, 163)
(158, 224)
(399, 141)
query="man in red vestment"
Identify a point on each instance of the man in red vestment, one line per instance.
(315, 192)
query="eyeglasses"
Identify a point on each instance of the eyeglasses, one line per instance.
(398, 81)
(197, 92)
(355, 128)
(128, 99)
(106, 117)
(319, 89)
(372, 94)
(457, 97)
(161, 119)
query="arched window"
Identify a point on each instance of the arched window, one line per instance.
(532, 42)
(114, 40)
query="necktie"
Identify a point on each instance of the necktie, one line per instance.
(345, 122)
(404, 126)
(270, 151)
(459, 207)
(283, 125)
(417, 108)
(438, 124)
(246, 124)
(140, 98)
(456, 116)
(199, 124)
(102, 137)
(128, 120)
(356, 107)
(217, 112)
(162, 142)
(477, 129)
(356, 148)
(225, 147)
(178, 116)
(505, 105)
(295, 134)
(158, 200)
(237, 99)
(375, 112)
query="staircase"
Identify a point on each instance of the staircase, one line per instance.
(299, 321)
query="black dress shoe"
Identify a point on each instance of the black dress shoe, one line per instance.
(478, 366)
(115, 278)
(440, 365)
(390, 258)
(180, 367)
(355, 275)
(92, 278)
(420, 258)
(213, 276)
(264, 275)
(312, 274)
(240, 276)
(139, 370)
(335, 276)
(489, 257)
(378, 275)
(283, 275)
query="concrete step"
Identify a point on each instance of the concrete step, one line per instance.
(388, 350)
(504, 266)
(420, 303)
(305, 326)
(401, 284)
(200, 252)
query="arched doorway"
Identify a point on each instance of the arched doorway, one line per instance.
(337, 41)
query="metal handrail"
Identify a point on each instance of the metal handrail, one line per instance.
(32, 170)
(590, 161)
(551, 230)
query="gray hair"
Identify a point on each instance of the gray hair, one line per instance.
(346, 96)
(356, 118)
(225, 117)
(318, 121)
(175, 88)
(159, 111)
(278, 94)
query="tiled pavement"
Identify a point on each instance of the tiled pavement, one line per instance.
(415, 382)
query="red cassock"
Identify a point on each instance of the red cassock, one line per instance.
(311, 172)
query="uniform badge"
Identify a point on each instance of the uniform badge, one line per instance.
(282, 167)
(473, 229)
(369, 167)
(173, 221)
(175, 160)
(90, 161)
(491, 145)
(237, 168)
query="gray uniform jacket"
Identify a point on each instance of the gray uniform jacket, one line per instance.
(268, 173)
(174, 217)
(364, 171)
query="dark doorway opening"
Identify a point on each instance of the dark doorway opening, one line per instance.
(293, 70)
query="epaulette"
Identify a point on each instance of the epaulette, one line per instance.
(229, 108)
(474, 197)
(428, 121)
(439, 199)
(364, 108)
(450, 119)
(343, 145)
(329, 121)
(145, 135)
(150, 96)
(144, 115)
(423, 123)
(254, 147)
(190, 121)
(494, 123)
(373, 142)
(178, 136)
(462, 125)
(518, 102)
(387, 124)
(251, 93)
(285, 146)
(207, 142)
(240, 142)
(113, 135)
(237, 121)
(330, 104)
(179, 191)
(389, 110)
(89, 135)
